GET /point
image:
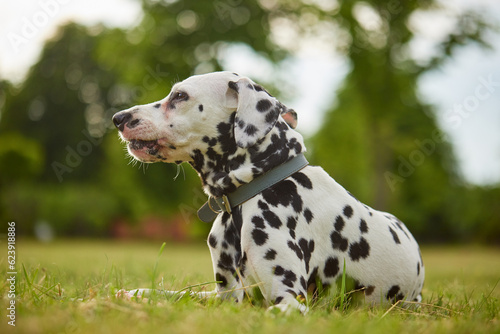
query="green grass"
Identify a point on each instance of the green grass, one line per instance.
(68, 287)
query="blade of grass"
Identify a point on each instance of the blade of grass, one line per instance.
(30, 283)
(342, 288)
(155, 268)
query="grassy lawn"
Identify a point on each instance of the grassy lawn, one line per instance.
(68, 287)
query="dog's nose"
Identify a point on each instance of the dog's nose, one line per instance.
(120, 119)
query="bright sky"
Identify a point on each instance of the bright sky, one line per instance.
(466, 90)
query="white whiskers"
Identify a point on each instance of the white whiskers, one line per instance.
(179, 168)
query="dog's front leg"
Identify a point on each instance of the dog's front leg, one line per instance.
(224, 243)
(145, 293)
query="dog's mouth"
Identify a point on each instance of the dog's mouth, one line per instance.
(150, 150)
(146, 150)
(138, 144)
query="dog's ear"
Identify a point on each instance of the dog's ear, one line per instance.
(257, 111)
(290, 117)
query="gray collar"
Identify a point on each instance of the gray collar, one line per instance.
(226, 203)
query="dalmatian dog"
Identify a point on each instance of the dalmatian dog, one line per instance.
(293, 236)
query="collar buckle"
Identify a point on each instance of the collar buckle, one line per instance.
(226, 203)
(222, 203)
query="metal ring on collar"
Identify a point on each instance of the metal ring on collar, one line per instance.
(210, 206)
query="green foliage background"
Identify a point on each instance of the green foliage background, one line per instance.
(61, 162)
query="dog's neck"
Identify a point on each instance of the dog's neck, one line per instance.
(223, 166)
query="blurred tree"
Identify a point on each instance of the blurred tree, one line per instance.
(380, 139)
(61, 106)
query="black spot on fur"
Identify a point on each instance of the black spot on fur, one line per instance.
(158, 105)
(308, 215)
(359, 250)
(259, 237)
(222, 279)
(339, 242)
(339, 224)
(258, 222)
(233, 85)
(369, 290)
(400, 225)
(394, 236)
(225, 219)
(259, 88)
(200, 107)
(198, 159)
(279, 271)
(263, 206)
(272, 219)
(363, 227)
(225, 262)
(210, 141)
(303, 180)
(331, 267)
(270, 254)
(263, 105)
(366, 290)
(394, 294)
(291, 224)
(348, 211)
(251, 129)
(303, 282)
(272, 116)
(212, 241)
(307, 249)
(240, 123)
(284, 193)
(293, 246)
(290, 278)
(236, 162)
(233, 231)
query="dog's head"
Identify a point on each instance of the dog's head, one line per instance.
(172, 129)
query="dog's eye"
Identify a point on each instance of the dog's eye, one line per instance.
(180, 96)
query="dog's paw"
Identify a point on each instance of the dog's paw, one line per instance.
(128, 294)
(286, 309)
